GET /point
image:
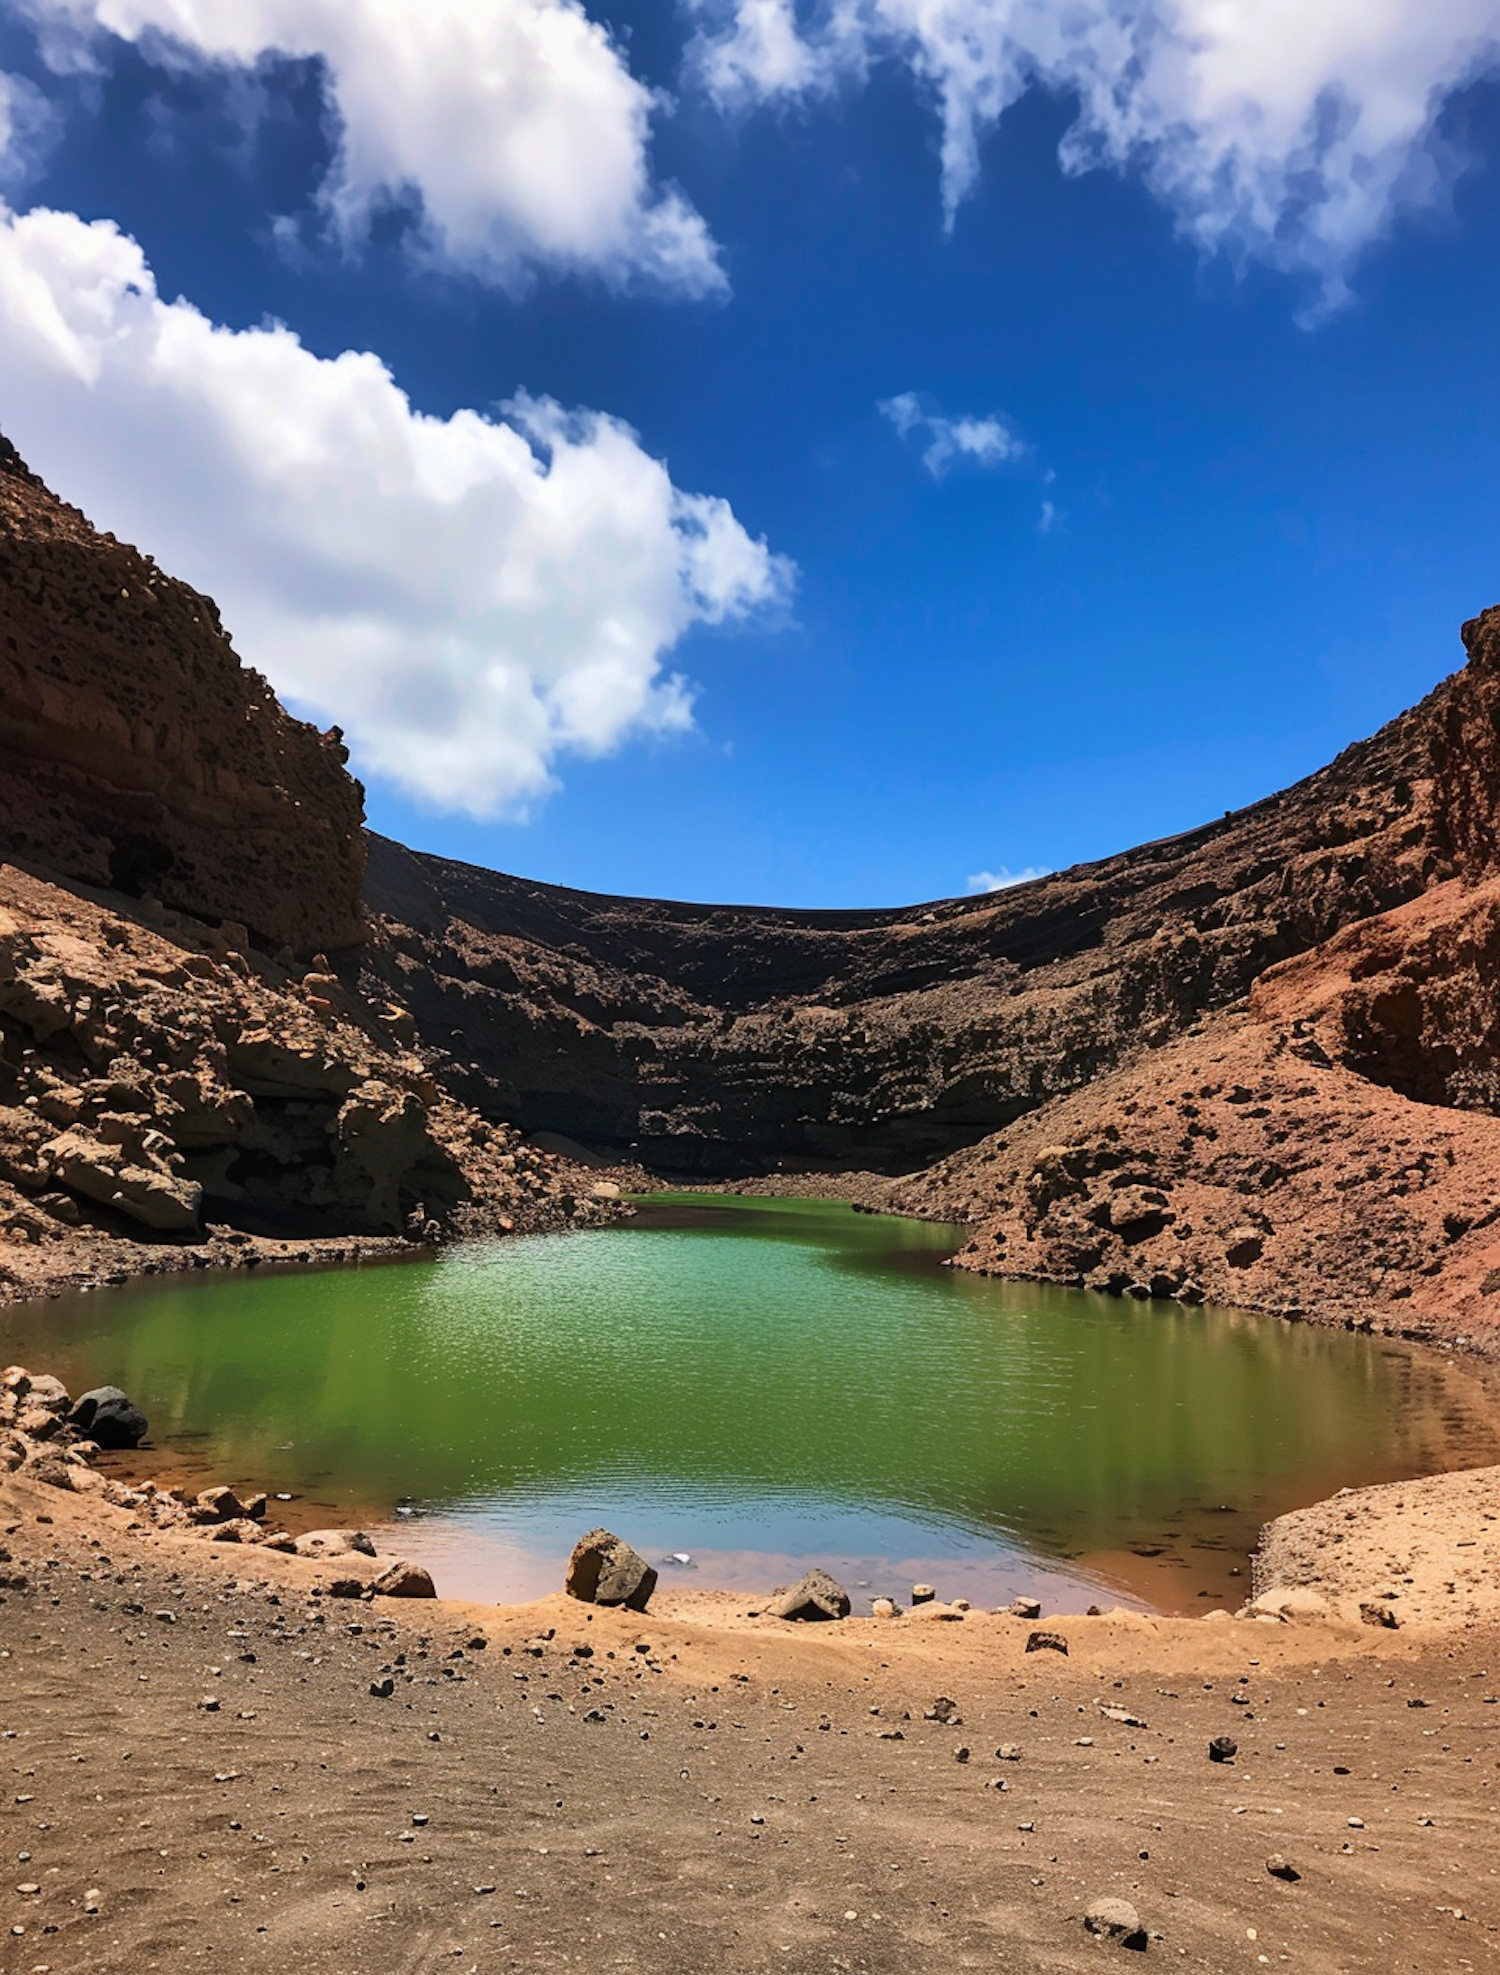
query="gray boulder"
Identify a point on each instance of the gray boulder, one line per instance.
(604, 1571)
(816, 1596)
(108, 1418)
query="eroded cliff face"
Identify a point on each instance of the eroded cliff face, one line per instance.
(175, 1081)
(730, 1041)
(1330, 1146)
(137, 753)
(1257, 1063)
(164, 1091)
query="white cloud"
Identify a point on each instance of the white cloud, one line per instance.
(28, 128)
(1004, 880)
(1287, 129)
(981, 442)
(469, 599)
(516, 122)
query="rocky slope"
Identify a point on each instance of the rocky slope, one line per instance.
(165, 1098)
(177, 1086)
(1258, 1062)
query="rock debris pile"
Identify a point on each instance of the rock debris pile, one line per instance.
(48, 1438)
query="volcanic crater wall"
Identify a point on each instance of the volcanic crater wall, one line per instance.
(712, 1041)
(137, 753)
(1258, 1062)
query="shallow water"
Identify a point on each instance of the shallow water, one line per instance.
(759, 1384)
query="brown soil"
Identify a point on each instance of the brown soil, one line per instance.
(756, 1795)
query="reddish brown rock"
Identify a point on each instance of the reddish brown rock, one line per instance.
(136, 752)
(403, 1580)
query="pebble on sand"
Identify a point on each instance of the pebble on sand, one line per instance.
(1115, 1920)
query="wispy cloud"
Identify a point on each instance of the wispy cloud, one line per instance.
(1288, 134)
(1006, 880)
(983, 442)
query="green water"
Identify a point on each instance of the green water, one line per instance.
(755, 1383)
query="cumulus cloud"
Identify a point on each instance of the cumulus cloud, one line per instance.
(515, 124)
(1004, 880)
(469, 598)
(1286, 129)
(982, 442)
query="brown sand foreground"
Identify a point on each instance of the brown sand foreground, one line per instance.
(197, 1775)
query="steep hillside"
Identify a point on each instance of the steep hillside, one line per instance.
(177, 1086)
(710, 1041)
(137, 753)
(1258, 1062)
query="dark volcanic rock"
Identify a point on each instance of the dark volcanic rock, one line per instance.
(605, 1571)
(107, 1417)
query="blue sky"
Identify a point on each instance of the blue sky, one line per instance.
(1191, 485)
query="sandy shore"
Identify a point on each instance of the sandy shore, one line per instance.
(199, 1774)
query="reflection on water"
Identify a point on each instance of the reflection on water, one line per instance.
(762, 1382)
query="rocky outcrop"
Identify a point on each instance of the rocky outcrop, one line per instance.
(137, 753)
(815, 1596)
(159, 1085)
(108, 1418)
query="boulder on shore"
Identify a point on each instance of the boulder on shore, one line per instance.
(108, 1418)
(815, 1596)
(605, 1571)
(403, 1580)
(334, 1543)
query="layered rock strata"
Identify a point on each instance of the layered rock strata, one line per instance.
(136, 752)
(726, 1041)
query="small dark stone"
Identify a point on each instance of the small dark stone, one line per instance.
(1280, 1868)
(383, 1689)
(1051, 1642)
(1223, 1749)
(1379, 1614)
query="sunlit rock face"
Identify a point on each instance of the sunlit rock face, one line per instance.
(714, 1041)
(137, 753)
